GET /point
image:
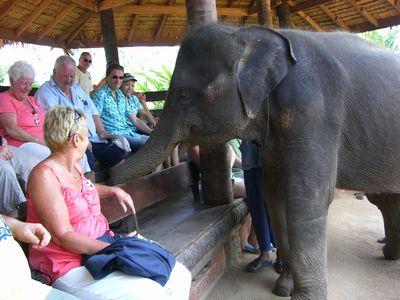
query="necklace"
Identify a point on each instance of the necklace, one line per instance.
(76, 178)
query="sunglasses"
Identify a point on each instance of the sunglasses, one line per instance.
(118, 77)
(87, 60)
(77, 117)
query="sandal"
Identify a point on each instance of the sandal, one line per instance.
(258, 264)
(249, 248)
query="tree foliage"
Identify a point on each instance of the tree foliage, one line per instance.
(385, 38)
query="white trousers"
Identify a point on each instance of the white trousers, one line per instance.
(79, 283)
(42, 152)
(17, 168)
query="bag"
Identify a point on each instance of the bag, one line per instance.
(131, 255)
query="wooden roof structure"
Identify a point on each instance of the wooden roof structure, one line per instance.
(76, 23)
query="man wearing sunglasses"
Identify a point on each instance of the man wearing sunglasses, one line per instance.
(83, 77)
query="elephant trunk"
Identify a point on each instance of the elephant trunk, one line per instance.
(158, 147)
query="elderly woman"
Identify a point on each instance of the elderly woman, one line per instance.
(68, 205)
(22, 117)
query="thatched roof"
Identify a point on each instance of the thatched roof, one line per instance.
(76, 23)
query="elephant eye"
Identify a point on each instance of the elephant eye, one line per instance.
(183, 94)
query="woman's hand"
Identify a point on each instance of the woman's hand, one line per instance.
(123, 198)
(5, 153)
(31, 233)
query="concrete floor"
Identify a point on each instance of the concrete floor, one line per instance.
(356, 268)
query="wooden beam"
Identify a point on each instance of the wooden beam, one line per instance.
(26, 37)
(142, 2)
(363, 12)
(132, 27)
(395, 4)
(306, 17)
(90, 4)
(74, 27)
(264, 16)
(110, 43)
(162, 21)
(173, 10)
(334, 18)
(73, 34)
(53, 23)
(107, 4)
(32, 17)
(284, 15)
(383, 23)
(308, 4)
(7, 7)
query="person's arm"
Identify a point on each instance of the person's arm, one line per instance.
(123, 198)
(30, 233)
(49, 203)
(144, 112)
(100, 128)
(8, 121)
(142, 126)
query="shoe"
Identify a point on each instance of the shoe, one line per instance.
(249, 248)
(382, 240)
(258, 264)
(278, 266)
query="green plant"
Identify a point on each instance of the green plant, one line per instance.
(153, 81)
(3, 74)
(385, 38)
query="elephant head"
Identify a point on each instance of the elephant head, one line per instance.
(221, 78)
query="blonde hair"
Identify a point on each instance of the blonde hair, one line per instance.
(60, 123)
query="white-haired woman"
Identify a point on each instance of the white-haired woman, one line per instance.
(22, 117)
(68, 205)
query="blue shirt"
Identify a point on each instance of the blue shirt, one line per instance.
(115, 112)
(135, 103)
(49, 95)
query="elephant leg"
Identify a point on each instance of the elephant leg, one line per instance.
(389, 205)
(309, 188)
(276, 206)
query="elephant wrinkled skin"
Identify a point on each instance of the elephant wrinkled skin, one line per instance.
(325, 109)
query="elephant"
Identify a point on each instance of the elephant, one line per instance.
(324, 109)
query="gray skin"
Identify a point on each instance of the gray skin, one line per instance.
(325, 109)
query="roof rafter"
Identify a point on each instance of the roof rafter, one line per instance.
(53, 23)
(306, 17)
(334, 18)
(395, 4)
(173, 10)
(90, 4)
(77, 25)
(132, 27)
(308, 4)
(162, 21)
(7, 7)
(107, 4)
(32, 17)
(364, 13)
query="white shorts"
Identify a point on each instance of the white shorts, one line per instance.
(118, 285)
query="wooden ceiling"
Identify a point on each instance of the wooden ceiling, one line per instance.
(76, 23)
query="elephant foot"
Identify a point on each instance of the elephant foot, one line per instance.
(284, 285)
(391, 251)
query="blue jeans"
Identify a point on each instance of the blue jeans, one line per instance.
(136, 142)
(258, 209)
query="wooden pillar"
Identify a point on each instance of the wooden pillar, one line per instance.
(283, 12)
(264, 16)
(214, 160)
(109, 35)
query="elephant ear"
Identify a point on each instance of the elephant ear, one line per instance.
(265, 61)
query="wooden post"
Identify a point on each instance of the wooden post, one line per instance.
(214, 160)
(109, 35)
(264, 16)
(283, 12)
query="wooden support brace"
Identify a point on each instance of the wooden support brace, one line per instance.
(162, 22)
(32, 17)
(107, 4)
(74, 27)
(308, 4)
(90, 4)
(132, 27)
(73, 34)
(7, 7)
(364, 13)
(395, 4)
(334, 18)
(57, 20)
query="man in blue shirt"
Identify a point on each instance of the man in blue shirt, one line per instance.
(61, 89)
(116, 111)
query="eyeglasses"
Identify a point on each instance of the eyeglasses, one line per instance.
(77, 117)
(118, 77)
(87, 60)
